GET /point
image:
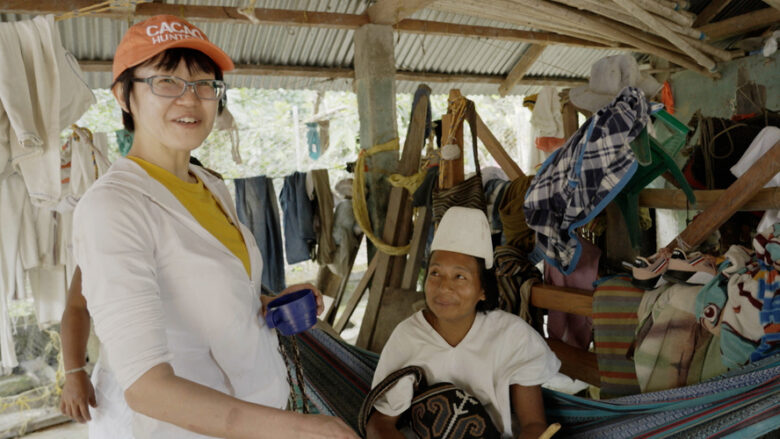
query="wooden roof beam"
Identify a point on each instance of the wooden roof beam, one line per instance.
(710, 11)
(393, 11)
(527, 59)
(523, 36)
(348, 73)
(284, 17)
(741, 24)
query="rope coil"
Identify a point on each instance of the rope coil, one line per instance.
(359, 206)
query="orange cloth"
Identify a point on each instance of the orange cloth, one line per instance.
(667, 98)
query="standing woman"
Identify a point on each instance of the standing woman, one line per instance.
(171, 278)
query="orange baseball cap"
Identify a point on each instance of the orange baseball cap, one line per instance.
(148, 38)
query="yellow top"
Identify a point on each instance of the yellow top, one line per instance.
(203, 207)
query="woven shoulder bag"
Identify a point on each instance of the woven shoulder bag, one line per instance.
(469, 192)
(439, 411)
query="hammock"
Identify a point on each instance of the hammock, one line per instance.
(740, 403)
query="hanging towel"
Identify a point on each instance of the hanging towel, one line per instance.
(299, 236)
(578, 180)
(257, 209)
(41, 92)
(547, 120)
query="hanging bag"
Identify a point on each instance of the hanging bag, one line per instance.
(469, 192)
(439, 411)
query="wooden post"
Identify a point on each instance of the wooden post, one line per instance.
(419, 237)
(498, 152)
(394, 303)
(451, 171)
(742, 190)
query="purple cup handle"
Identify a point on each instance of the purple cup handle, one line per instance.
(269, 319)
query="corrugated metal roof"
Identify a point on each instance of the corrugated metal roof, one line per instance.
(96, 39)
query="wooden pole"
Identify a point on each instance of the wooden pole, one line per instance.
(498, 152)
(526, 61)
(709, 12)
(741, 24)
(394, 302)
(633, 8)
(765, 199)
(613, 29)
(683, 18)
(451, 171)
(742, 190)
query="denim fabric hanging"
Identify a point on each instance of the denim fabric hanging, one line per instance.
(257, 209)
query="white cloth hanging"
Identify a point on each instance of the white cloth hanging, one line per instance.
(41, 92)
(18, 251)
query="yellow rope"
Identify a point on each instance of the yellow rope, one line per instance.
(410, 183)
(359, 207)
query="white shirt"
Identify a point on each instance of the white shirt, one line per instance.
(499, 350)
(161, 288)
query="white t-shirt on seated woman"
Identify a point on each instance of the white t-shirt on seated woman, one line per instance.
(499, 350)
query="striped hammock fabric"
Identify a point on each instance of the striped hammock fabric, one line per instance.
(739, 404)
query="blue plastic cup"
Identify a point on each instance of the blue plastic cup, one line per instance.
(292, 313)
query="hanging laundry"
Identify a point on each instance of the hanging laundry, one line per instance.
(547, 120)
(18, 252)
(578, 180)
(258, 210)
(313, 140)
(323, 200)
(46, 95)
(573, 329)
(299, 236)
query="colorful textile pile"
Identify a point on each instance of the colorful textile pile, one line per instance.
(741, 303)
(672, 348)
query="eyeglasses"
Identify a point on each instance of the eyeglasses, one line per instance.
(172, 87)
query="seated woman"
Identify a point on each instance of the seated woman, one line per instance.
(461, 338)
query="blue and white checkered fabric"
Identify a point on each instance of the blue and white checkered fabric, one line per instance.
(579, 179)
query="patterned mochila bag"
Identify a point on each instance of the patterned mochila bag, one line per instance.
(439, 411)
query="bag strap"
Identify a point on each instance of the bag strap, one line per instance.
(471, 118)
(384, 386)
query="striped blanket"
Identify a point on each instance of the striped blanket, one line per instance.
(615, 303)
(742, 403)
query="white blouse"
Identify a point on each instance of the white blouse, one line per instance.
(499, 350)
(161, 288)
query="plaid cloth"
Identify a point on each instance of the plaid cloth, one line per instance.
(578, 180)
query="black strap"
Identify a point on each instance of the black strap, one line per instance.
(382, 387)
